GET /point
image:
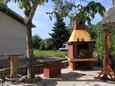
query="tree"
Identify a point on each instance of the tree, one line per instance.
(60, 33)
(30, 7)
(36, 41)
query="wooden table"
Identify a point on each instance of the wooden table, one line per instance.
(13, 63)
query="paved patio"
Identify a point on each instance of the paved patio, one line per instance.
(70, 78)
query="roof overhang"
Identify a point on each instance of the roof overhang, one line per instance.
(13, 15)
(90, 42)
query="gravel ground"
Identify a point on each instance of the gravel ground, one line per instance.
(69, 78)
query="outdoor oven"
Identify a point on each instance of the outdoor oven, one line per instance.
(80, 47)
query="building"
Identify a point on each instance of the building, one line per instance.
(12, 33)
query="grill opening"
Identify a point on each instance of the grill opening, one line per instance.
(82, 50)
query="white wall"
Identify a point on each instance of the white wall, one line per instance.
(12, 36)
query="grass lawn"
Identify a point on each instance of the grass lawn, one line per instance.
(49, 53)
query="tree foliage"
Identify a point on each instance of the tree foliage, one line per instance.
(99, 39)
(46, 44)
(65, 8)
(98, 36)
(86, 13)
(60, 33)
(112, 41)
(62, 7)
(41, 44)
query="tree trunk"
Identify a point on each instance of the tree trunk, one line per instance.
(29, 49)
(29, 14)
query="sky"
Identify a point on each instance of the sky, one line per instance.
(43, 24)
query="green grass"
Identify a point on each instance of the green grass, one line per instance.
(49, 53)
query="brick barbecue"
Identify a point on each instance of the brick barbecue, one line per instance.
(80, 47)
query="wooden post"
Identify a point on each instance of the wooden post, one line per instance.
(13, 66)
(107, 71)
(107, 47)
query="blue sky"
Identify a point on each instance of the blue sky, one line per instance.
(43, 24)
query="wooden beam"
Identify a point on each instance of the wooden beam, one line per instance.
(84, 59)
(91, 59)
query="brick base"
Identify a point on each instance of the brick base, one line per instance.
(52, 69)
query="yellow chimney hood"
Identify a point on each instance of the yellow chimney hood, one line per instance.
(80, 35)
